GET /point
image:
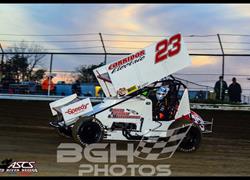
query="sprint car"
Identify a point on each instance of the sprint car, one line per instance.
(128, 118)
(127, 113)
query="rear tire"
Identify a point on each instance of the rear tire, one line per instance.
(88, 130)
(192, 140)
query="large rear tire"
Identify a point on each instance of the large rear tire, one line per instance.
(88, 130)
(192, 140)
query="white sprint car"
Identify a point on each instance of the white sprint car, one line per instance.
(129, 112)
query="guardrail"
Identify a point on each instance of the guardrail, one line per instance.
(29, 97)
(224, 107)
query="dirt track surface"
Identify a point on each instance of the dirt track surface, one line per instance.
(25, 135)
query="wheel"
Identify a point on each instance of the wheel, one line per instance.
(192, 140)
(65, 131)
(88, 130)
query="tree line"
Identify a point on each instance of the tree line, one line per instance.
(19, 67)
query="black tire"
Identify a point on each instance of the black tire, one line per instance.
(65, 131)
(88, 130)
(192, 140)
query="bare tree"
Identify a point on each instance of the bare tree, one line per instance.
(33, 60)
(38, 75)
(86, 73)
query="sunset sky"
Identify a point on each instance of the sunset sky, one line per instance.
(114, 21)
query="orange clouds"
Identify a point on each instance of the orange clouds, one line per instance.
(122, 19)
(199, 61)
(240, 10)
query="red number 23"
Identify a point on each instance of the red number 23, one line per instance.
(162, 51)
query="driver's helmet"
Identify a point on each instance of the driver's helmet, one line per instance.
(161, 93)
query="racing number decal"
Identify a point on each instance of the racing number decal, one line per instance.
(162, 47)
(176, 41)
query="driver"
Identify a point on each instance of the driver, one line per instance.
(161, 105)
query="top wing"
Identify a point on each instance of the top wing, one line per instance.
(144, 67)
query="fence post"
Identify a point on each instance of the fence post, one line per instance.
(50, 70)
(206, 92)
(223, 64)
(1, 70)
(105, 55)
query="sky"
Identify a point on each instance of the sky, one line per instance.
(115, 21)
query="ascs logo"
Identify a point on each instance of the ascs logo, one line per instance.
(18, 166)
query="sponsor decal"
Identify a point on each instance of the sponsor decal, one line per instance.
(122, 113)
(132, 89)
(122, 92)
(77, 109)
(128, 61)
(198, 120)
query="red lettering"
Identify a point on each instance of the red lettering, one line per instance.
(111, 66)
(119, 63)
(127, 59)
(77, 109)
(124, 61)
(131, 58)
(117, 110)
(142, 53)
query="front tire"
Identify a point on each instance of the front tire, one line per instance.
(65, 131)
(88, 130)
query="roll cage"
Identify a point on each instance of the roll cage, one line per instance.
(170, 80)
